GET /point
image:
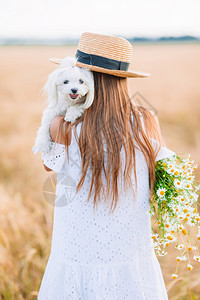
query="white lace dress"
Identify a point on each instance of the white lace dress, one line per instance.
(97, 256)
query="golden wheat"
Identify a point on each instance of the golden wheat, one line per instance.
(25, 217)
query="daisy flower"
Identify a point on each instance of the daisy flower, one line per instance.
(189, 267)
(171, 169)
(177, 183)
(196, 257)
(161, 192)
(157, 247)
(193, 247)
(174, 276)
(180, 247)
(163, 253)
(154, 236)
(176, 172)
(181, 217)
(181, 258)
(178, 258)
(186, 185)
(191, 222)
(180, 227)
(165, 244)
(170, 238)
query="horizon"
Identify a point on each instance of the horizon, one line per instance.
(72, 41)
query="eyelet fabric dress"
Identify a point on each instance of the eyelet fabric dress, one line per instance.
(97, 255)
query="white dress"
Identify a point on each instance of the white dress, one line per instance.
(97, 256)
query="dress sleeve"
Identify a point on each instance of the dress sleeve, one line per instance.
(55, 159)
(163, 152)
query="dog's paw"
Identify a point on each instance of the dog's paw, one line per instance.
(69, 118)
(42, 147)
(72, 114)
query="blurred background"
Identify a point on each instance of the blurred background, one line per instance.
(165, 38)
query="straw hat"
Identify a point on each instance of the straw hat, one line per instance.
(105, 54)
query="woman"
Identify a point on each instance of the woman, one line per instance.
(101, 245)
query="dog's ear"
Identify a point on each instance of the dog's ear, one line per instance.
(68, 61)
(90, 95)
(50, 89)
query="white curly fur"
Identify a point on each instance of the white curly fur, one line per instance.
(60, 85)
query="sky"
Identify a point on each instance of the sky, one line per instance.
(70, 18)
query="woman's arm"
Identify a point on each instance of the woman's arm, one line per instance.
(53, 132)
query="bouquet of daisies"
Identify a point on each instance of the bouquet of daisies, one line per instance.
(173, 209)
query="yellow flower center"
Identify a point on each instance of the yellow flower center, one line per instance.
(184, 231)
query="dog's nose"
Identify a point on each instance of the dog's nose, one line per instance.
(74, 91)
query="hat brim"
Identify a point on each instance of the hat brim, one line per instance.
(120, 73)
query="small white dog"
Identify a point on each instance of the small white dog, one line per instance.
(70, 91)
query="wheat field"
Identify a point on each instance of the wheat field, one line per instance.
(25, 217)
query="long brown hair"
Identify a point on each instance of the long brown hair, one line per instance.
(113, 120)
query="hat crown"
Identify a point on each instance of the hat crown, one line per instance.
(105, 54)
(111, 47)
